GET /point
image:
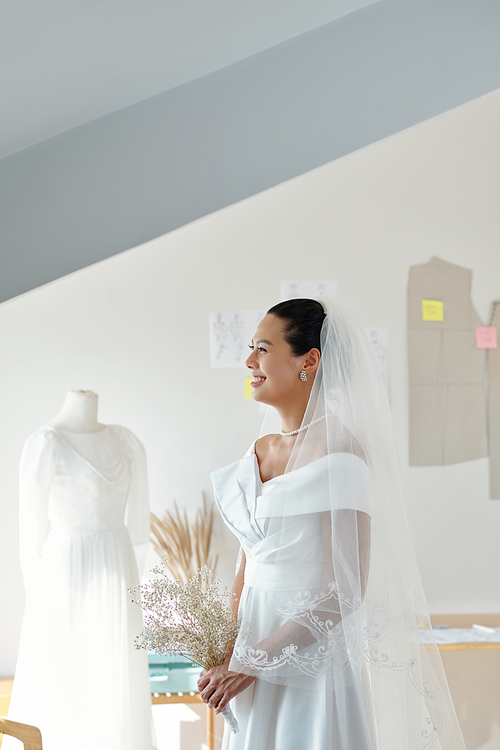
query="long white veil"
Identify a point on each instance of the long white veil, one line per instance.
(338, 566)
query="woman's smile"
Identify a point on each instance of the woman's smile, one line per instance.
(257, 380)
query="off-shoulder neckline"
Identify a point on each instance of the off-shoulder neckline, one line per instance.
(286, 474)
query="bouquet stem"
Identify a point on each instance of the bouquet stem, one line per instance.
(230, 720)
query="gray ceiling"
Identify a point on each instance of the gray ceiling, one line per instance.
(109, 168)
(67, 62)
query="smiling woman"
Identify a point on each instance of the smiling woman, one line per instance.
(283, 363)
(109, 326)
(327, 586)
(277, 359)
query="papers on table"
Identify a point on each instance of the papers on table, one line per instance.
(459, 635)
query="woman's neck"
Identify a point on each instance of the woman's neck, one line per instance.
(79, 413)
(291, 419)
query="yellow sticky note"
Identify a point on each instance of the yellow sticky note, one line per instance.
(248, 388)
(432, 309)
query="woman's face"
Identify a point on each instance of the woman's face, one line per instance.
(275, 369)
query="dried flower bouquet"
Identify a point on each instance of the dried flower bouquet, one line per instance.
(190, 619)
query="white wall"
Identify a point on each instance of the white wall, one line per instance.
(134, 328)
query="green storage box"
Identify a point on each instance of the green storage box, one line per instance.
(170, 674)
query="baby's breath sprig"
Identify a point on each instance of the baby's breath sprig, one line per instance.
(189, 619)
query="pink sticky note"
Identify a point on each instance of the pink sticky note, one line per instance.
(486, 338)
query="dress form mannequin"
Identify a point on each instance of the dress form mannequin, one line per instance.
(79, 413)
(84, 532)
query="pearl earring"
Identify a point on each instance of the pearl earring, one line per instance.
(303, 376)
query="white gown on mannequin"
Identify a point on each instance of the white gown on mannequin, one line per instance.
(83, 503)
(275, 716)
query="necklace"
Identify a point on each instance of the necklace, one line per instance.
(304, 427)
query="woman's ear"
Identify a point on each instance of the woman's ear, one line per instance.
(312, 361)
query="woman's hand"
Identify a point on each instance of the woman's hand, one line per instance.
(218, 685)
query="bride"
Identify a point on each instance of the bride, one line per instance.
(329, 654)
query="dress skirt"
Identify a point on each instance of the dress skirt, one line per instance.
(281, 717)
(78, 676)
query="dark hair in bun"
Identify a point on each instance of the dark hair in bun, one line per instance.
(303, 320)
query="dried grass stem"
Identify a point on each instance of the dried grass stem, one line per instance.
(185, 548)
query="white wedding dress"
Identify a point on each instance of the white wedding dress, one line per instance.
(278, 716)
(83, 504)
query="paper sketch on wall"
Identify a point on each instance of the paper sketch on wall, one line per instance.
(446, 370)
(307, 289)
(231, 331)
(379, 342)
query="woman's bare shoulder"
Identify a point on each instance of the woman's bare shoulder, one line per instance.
(343, 440)
(262, 444)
